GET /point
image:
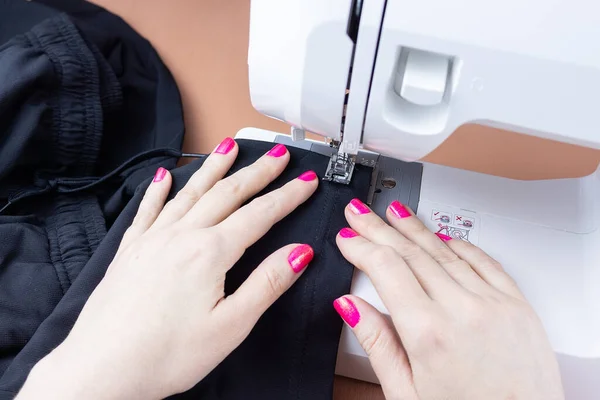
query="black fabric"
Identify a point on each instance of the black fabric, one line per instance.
(81, 95)
(65, 93)
(291, 352)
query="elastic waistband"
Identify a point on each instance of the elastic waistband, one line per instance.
(77, 105)
(75, 228)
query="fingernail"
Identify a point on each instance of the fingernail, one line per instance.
(277, 151)
(348, 233)
(347, 310)
(300, 257)
(308, 176)
(399, 210)
(445, 238)
(226, 146)
(159, 175)
(358, 207)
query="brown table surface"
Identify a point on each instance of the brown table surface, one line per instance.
(204, 43)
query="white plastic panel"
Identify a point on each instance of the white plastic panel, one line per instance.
(528, 66)
(362, 70)
(298, 60)
(422, 80)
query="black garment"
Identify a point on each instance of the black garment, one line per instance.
(75, 102)
(82, 99)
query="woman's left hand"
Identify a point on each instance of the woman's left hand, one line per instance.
(159, 321)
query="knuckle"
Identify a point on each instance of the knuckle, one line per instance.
(276, 283)
(446, 256)
(477, 315)
(231, 185)
(212, 243)
(410, 251)
(269, 203)
(493, 264)
(374, 225)
(372, 341)
(382, 256)
(419, 228)
(187, 195)
(210, 167)
(264, 167)
(143, 214)
(428, 338)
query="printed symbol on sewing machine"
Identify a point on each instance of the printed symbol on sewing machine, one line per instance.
(441, 216)
(465, 222)
(454, 233)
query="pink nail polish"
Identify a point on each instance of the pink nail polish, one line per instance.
(444, 238)
(358, 207)
(399, 210)
(277, 151)
(308, 176)
(300, 257)
(347, 310)
(159, 175)
(348, 233)
(226, 146)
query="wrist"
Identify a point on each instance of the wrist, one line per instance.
(46, 379)
(62, 376)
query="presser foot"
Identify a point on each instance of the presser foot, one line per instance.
(340, 168)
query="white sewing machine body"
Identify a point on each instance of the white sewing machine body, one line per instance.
(396, 78)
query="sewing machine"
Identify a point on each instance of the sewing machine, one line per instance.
(387, 81)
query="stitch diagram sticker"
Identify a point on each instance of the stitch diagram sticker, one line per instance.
(443, 217)
(454, 233)
(451, 221)
(464, 221)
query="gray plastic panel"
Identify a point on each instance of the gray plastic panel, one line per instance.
(405, 177)
(407, 180)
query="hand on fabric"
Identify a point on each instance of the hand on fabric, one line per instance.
(159, 321)
(460, 328)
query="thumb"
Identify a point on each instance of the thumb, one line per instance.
(380, 341)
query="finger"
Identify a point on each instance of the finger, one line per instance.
(150, 207)
(213, 169)
(394, 281)
(412, 228)
(434, 280)
(251, 222)
(486, 267)
(229, 194)
(381, 343)
(265, 285)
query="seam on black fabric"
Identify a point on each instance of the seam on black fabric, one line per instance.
(91, 131)
(94, 226)
(333, 205)
(97, 235)
(61, 254)
(55, 118)
(86, 225)
(325, 219)
(49, 233)
(56, 115)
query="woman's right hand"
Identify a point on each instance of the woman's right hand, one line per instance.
(460, 328)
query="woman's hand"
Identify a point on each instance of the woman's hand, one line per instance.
(460, 328)
(159, 321)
